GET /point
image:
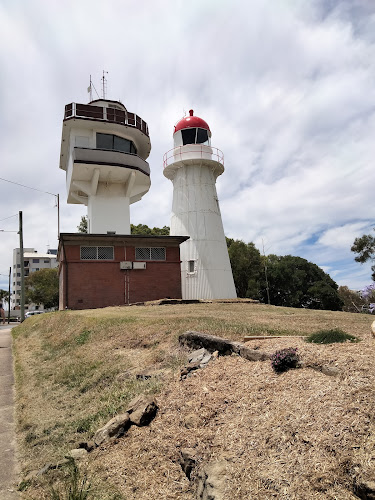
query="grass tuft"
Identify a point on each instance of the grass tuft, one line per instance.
(75, 487)
(333, 336)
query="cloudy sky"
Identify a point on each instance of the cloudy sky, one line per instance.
(287, 87)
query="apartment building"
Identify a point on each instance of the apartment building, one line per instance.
(33, 261)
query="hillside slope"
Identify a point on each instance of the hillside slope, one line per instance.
(254, 433)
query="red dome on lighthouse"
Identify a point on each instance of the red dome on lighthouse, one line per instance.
(191, 121)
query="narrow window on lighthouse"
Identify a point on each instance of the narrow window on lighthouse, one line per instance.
(191, 266)
(202, 136)
(188, 136)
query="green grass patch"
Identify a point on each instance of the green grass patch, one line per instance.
(83, 337)
(333, 336)
(76, 372)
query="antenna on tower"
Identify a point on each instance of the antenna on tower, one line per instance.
(89, 89)
(104, 84)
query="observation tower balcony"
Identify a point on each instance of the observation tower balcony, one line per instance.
(106, 114)
(92, 167)
(85, 124)
(193, 154)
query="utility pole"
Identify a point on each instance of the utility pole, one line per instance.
(22, 269)
(58, 217)
(10, 272)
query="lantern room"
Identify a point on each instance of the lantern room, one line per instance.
(192, 130)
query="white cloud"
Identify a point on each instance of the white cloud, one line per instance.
(287, 88)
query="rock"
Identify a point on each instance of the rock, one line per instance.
(187, 461)
(87, 445)
(365, 489)
(143, 376)
(115, 428)
(211, 481)
(373, 328)
(142, 410)
(44, 469)
(31, 476)
(36, 473)
(205, 360)
(197, 355)
(209, 342)
(253, 355)
(189, 368)
(331, 371)
(191, 420)
(78, 453)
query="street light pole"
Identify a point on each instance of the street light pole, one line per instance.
(22, 269)
(10, 272)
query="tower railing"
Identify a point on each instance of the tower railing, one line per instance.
(192, 152)
(86, 111)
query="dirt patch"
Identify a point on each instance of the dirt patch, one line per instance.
(296, 435)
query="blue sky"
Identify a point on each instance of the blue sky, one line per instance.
(287, 87)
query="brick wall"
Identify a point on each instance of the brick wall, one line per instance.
(95, 284)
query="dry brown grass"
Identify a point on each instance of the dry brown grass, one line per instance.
(297, 435)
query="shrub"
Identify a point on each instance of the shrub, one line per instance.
(285, 359)
(331, 337)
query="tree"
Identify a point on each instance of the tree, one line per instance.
(82, 226)
(140, 229)
(145, 230)
(42, 287)
(4, 295)
(296, 282)
(365, 248)
(246, 266)
(353, 302)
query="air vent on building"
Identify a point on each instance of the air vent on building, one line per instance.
(139, 265)
(126, 264)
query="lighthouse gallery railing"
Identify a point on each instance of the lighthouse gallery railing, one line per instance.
(192, 151)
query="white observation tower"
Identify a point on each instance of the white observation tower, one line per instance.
(104, 149)
(193, 166)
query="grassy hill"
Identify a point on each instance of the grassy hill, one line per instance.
(295, 435)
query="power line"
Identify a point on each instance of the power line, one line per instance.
(57, 199)
(28, 187)
(15, 215)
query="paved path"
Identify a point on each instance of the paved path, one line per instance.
(8, 466)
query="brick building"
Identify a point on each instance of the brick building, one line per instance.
(98, 270)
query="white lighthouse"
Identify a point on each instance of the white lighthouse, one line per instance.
(193, 166)
(103, 151)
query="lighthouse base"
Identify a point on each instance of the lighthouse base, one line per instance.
(205, 267)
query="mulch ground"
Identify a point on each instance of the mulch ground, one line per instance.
(296, 435)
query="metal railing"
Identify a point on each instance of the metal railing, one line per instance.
(191, 152)
(75, 110)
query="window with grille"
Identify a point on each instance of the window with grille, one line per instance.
(150, 253)
(97, 253)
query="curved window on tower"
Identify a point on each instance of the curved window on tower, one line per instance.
(194, 136)
(202, 136)
(115, 143)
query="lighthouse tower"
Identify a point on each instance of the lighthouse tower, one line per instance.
(193, 166)
(104, 149)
